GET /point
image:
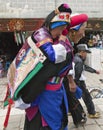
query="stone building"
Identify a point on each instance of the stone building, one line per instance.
(20, 17)
(33, 9)
(40, 8)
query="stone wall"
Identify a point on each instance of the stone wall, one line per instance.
(40, 8)
(95, 59)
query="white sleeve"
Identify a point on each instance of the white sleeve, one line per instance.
(21, 105)
(60, 53)
(72, 71)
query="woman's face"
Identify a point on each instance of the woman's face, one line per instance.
(57, 31)
(80, 33)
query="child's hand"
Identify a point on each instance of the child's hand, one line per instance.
(97, 72)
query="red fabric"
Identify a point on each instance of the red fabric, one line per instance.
(78, 19)
(10, 102)
(53, 87)
(7, 116)
(44, 123)
(75, 20)
(31, 112)
(65, 32)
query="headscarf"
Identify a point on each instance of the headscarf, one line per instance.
(76, 21)
(59, 17)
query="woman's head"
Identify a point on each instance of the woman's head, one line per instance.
(78, 32)
(77, 27)
(58, 19)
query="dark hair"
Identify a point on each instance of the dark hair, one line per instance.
(48, 19)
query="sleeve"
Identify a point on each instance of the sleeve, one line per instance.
(78, 71)
(71, 71)
(21, 105)
(89, 69)
(55, 53)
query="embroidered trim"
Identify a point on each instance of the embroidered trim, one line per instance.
(56, 80)
(53, 87)
(61, 17)
(43, 42)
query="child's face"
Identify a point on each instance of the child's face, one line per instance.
(84, 55)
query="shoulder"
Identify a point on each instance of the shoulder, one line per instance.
(41, 34)
(77, 58)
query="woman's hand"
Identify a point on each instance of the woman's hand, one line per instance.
(62, 38)
(72, 84)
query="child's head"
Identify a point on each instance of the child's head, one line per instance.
(83, 50)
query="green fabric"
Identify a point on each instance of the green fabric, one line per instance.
(6, 101)
(27, 79)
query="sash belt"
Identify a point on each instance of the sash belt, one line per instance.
(53, 87)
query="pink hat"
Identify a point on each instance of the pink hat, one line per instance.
(76, 19)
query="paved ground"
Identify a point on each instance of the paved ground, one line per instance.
(17, 116)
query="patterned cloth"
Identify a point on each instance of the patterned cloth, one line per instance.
(26, 64)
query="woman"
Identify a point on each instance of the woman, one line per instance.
(75, 34)
(44, 96)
